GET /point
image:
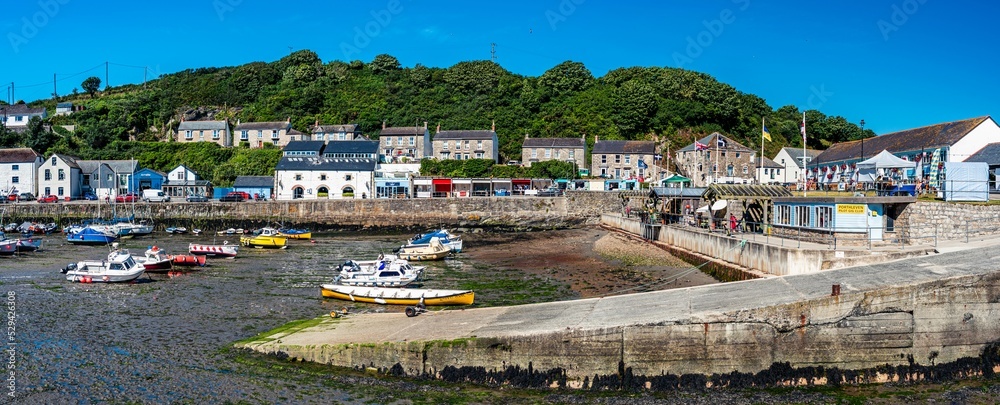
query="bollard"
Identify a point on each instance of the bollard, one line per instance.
(836, 290)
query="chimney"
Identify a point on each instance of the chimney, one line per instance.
(595, 138)
(288, 120)
(494, 127)
(317, 122)
(438, 129)
(525, 135)
(425, 124)
(237, 121)
(383, 124)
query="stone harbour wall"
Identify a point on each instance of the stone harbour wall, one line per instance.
(949, 221)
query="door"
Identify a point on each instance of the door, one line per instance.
(875, 219)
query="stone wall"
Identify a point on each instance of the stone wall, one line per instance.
(949, 221)
(576, 208)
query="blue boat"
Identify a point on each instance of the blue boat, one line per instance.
(90, 236)
(452, 241)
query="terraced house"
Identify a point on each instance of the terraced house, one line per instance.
(717, 158)
(623, 159)
(346, 132)
(464, 145)
(18, 170)
(277, 133)
(535, 150)
(205, 131)
(399, 144)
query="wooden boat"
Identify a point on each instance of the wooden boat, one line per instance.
(388, 271)
(155, 260)
(292, 233)
(119, 267)
(91, 236)
(434, 250)
(188, 260)
(223, 250)
(265, 238)
(398, 296)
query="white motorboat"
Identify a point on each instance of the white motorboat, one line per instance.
(119, 267)
(386, 271)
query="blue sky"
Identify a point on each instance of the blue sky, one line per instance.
(896, 64)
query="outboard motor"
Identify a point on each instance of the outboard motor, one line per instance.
(68, 268)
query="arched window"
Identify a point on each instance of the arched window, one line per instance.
(348, 191)
(297, 192)
(322, 192)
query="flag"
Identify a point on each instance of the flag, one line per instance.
(642, 164)
(700, 146)
(720, 142)
(766, 135)
(803, 129)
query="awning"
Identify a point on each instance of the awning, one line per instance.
(441, 182)
(461, 181)
(521, 182)
(718, 206)
(422, 182)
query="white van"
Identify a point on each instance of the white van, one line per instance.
(150, 195)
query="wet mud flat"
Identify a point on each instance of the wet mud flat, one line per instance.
(167, 339)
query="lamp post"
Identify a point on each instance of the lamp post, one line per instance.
(862, 139)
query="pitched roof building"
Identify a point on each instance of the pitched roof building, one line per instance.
(271, 132)
(16, 116)
(344, 132)
(792, 161)
(717, 158)
(205, 131)
(623, 159)
(19, 171)
(466, 144)
(535, 150)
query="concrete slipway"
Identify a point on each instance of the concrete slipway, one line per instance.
(928, 310)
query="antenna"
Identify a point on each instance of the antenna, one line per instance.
(493, 52)
(289, 49)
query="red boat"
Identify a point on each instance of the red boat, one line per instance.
(155, 261)
(188, 260)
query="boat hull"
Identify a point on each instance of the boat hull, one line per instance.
(455, 245)
(398, 296)
(188, 260)
(91, 239)
(303, 235)
(213, 250)
(273, 242)
(152, 266)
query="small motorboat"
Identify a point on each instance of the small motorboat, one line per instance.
(434, 250)
(292, 233)
(119, 267)
(228, 232)
(223, 250)
(155, 260)
(387, 271)
(452, 241)
(188, 260)
(397, 296)
(25, 244)
(265, 238)
(91, 236)
(8, 247)
(177, 230)
(196, 231)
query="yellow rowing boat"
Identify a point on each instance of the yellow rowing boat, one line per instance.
(397, 296)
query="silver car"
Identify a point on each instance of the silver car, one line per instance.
(196, 198)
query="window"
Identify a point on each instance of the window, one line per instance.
(399, 140)
(534, 153)
(782, 215)
(618, 173)
(48, 190)
(62, 175)
(347, 177)
(479, 145)
(19, 118)
(53, 161)
(628, 173)
(60, 191)
(729, 170)
(466, 156)
(444, 146)
(745, 170)
(298, 177)
(388, 142)
(260, 134)
(413, 141)
(244, 135)
(737, 155)
(274, 142)
(322, 177)
(572, 154)
(15, 179)
(48, 175)
(604, 172)
(824, 217)
(15, 167)
(274, 135)
(782, 162)
(188, 135)
(618, 159)
(604, 159)
(215, 134)
(548, 153)
(628, 159)
(802, 216)
(201, 135)
(479, 155)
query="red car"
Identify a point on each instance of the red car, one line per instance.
(130, 197)
(48, 199)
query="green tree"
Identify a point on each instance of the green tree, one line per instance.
(384, 63)
(39, 136)
(91, 85)
(566, 78)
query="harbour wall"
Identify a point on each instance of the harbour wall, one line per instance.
(521, 213)
(950, 221)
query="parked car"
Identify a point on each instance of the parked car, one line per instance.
(89, 196)
(235, 196)
(550, 192)
(246, 195)
(196, 198)
(51, 198)
(26, 197)
(125, 198)
(12, 197)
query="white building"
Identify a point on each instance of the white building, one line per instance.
(16, 116)
(346, 132)
(770, 172)
(18, 171)
(346, 170)
(59, 175)
(792, 161)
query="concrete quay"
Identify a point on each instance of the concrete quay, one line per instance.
(900, 318)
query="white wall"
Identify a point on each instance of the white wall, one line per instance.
(986, 133)
(335, 181)
(70, 185)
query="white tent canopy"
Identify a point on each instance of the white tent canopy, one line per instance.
(886, 160)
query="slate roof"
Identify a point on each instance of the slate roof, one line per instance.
(91, 166)
(273, 125)
(64, 104)
(305, 146)
(643, 147)
(989, 154)
(553, 143)
(770, 164)
(403, 131)
(70, 160)
(924, 138)
(310, 163)
(357, 146)
(202, 125)
(463, 135)
(711, 140)
(677, 192)
(18, 155)
(294, 131)
(744, 191)
(339, 128)
(254, 181)
(161, 174)
(21, 109)
(796, 154)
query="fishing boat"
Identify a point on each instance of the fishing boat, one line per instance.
(132, 229)
(155, 260)
(91, 236)
(265, 238)
(293, 233)
(434, 250)
(176, 230)
(8, 247)
(27, 244)
(452, 241)
(387, 271)
(397, 296)
(223, 250)
(119, 267)
(188, 260)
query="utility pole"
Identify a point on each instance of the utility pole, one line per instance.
(144, 69)
(493, 52)
(107, 84)
(55, 93)
(11, 93)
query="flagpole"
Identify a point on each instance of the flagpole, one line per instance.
(805, 166)
(760, 172)
(718, 137)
